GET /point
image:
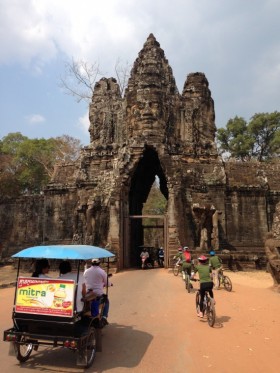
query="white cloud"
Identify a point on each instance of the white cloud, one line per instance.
(35, 118)
(25, 34)
(234, 42)
(83, 123)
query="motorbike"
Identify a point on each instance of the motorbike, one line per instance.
(144, 262)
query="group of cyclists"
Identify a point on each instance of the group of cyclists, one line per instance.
(207, 269)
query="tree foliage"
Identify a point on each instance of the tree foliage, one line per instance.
(156, 202)
(259, 139)
(26, 165)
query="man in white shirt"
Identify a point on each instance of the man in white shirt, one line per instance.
(65, 273)
(96, 279)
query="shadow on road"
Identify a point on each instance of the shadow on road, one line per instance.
(122, 347)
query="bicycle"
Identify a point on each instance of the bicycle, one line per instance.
(208, 307)
(187, 280)
(224, 280)
(176, 267)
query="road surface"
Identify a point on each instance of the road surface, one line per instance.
(154, 328)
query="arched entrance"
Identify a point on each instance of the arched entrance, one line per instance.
(135, 223)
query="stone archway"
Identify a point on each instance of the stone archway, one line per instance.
(142, 180)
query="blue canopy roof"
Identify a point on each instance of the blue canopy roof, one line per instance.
(83, 252)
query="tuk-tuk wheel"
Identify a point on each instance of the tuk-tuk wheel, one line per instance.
(23, 350)
(87, 354)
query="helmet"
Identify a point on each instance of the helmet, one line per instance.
(180, 249)
(186, 248)
(202, 258)
(96, 260)
(212, 252)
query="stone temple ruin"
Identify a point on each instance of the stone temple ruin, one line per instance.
(152, 131)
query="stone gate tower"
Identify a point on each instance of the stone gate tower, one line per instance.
(156, 131)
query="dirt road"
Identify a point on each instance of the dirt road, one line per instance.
(154, 328)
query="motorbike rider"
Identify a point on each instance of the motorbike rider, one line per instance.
(96, 279)
(144, 257)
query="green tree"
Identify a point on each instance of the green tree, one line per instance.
(27, 164)
(258, 139)
(156, 202)
(265, 131)
(155, 205)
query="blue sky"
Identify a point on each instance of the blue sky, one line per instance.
(235, 43)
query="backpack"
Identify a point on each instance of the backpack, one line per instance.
(187, 255)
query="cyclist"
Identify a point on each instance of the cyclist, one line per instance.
(179, 253)
(206, 283)
(216, 264)
(186, 260)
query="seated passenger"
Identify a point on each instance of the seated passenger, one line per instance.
(65, 272)
(42, 267)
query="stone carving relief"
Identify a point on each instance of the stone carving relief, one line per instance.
(272, 249)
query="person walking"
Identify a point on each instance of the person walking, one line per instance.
(215, 263)
(206, 283)
(96, 279)
(160, 257)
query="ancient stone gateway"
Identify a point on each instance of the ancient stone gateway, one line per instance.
(156, 131)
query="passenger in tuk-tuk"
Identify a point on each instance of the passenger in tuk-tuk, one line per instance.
(65, 272)
(42, 268)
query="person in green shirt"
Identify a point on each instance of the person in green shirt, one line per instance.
(205, 278)
(179, 253)
(186, 261)
(216, 264)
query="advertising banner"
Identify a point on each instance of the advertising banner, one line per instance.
(45, 296)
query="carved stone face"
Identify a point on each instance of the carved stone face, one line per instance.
(147, 112)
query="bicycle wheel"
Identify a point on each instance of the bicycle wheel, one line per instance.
(219, 281)
(23, 349)
(227, 283)
(210, 312)
(188, 283)
(175, 270)
(197, 301)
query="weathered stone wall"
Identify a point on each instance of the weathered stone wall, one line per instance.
(21, 223)
(272, 249)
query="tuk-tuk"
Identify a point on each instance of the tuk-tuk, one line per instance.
(45, 311)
